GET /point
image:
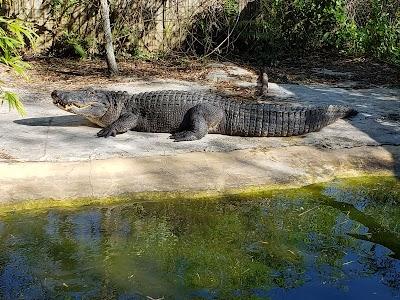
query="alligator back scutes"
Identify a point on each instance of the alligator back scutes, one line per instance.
(241, 118)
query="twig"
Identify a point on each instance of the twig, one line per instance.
(304, 212)
(227, 38)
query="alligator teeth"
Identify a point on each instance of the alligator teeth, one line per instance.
(59, 104)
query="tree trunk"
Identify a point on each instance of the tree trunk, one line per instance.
(111, 63)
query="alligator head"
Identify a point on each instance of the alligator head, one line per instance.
(89, 103)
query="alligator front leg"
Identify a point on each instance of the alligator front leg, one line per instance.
(197, 122)
(124, 123)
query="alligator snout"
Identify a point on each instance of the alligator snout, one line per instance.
(56, 96)
(67, 100)
(58, 99)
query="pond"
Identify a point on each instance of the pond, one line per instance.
(339, 240)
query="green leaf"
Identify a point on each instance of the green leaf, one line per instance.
(14, 102)
(14, 35)
(79, 50)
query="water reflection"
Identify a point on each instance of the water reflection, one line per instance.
(340, 241)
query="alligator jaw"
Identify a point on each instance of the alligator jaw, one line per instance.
(67, 106)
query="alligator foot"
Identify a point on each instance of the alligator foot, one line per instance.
(184, 136)
(107, 131)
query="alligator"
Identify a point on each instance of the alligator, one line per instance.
(190, 115)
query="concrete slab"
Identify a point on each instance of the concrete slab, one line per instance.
(219, 172)
(50, 134)
(53, 154)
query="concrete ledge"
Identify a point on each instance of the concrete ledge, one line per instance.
(283, 167)
(55, 155)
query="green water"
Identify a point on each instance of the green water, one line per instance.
(336, 241)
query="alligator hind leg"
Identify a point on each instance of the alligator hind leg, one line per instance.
(197, 122)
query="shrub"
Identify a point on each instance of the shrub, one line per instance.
(15, 35)
(276, 27)
(69, 45)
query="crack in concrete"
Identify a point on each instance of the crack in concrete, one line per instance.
(318, 146)
(47, 139)
(90, 175)
(360, 146)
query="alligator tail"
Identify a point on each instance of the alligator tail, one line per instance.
(342, 111)
(252, 119)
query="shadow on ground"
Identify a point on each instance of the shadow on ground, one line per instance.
(377, 109)
(57, 121)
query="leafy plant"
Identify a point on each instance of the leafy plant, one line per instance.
(14, 36)
(13, 102)
(231, 7)
(379, 36)
(273, 28)
(69, 45)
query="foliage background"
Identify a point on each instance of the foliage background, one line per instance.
(353, 27)
(260, 30)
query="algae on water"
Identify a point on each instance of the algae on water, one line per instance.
(327, 240)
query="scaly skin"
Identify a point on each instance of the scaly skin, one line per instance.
(191, 115)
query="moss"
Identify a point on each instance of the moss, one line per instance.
(246, 193)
